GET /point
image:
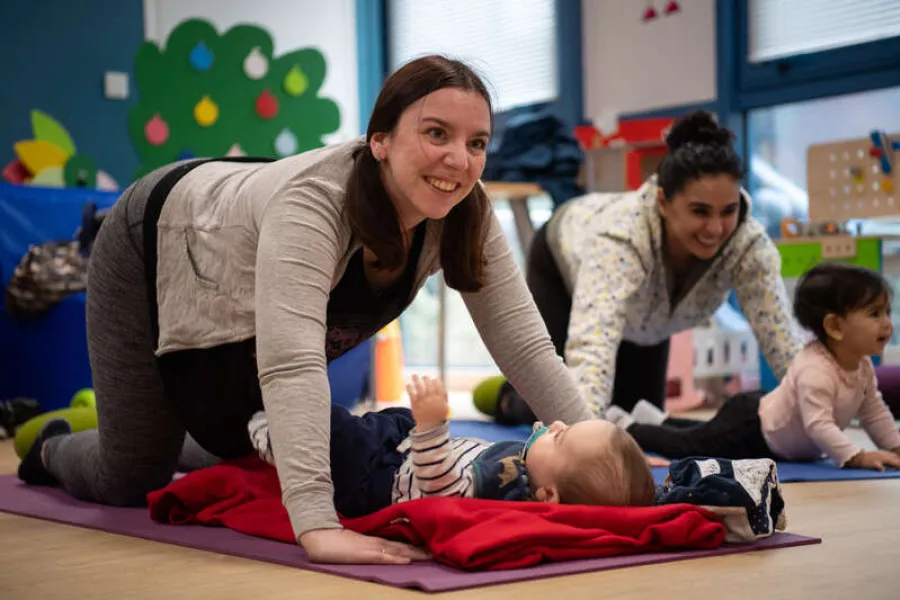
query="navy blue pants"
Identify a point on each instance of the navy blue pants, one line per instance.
(364, 457)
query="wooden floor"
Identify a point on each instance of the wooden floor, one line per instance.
(859, 560)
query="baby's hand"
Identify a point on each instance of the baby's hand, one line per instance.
(876, 460)
(428, 400)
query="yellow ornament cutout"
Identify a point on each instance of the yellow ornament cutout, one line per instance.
(295, 82)
(206, 112)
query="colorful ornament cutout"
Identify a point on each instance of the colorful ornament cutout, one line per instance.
(171, 87)
(15, 172)
(38, 155)
(47, 129)
(235, 150)
(295, 82)
(50, 159)
(256, 65)
(201, 57)
(156, 131)
(50, 177)
(672, 7)
(80, 172)
(105, 182)
(266, 105)
(206, 112)
(285, 143)
(649, 13)
(186, 155)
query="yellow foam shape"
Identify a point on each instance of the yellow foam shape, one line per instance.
(38, 155)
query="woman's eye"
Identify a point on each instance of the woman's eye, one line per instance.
(436, 134)
(479, 144)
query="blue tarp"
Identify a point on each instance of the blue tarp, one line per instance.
(46, 358)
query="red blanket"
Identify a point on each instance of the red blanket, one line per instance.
(465, 533)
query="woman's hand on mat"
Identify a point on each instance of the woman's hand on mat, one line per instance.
(428, 401)
(656, 461)
(348, 547)
(876, 460)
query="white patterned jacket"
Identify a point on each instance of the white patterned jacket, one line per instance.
(608, 247)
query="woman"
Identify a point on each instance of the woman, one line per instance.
(615, 275)
(220, 288)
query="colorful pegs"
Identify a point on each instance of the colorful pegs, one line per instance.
(885, 147)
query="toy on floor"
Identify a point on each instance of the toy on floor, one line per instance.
(14, 413)
(81, 415)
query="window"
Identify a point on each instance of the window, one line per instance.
(783, 28)
(466, 357)
(778, 137)
(511, 43)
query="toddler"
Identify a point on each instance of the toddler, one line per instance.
(399, 454)
(829, 382)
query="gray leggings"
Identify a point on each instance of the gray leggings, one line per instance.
(140, 440)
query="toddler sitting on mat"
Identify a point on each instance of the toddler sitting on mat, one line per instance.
(829, 382)
(398, 454)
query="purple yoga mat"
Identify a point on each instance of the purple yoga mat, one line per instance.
(53, 504)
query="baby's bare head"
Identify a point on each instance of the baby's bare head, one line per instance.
(606, 469)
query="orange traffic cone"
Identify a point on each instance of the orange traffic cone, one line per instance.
(389, 364)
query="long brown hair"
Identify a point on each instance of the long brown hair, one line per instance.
(369, 210)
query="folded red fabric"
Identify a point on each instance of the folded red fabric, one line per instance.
(466, 533)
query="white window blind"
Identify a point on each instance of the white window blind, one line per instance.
(511, 43)
(782, 28)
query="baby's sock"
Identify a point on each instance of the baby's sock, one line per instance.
(648, 414)
(618, 416)
(32, 470)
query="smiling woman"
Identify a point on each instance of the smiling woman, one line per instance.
(223, 287)
(615, 275)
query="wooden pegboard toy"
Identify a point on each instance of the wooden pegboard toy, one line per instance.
(854, 179)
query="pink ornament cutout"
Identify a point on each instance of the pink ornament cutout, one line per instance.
(156, 131)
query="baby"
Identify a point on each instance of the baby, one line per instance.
(399, 454)
(829, 382)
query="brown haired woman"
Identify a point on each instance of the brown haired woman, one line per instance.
(221, 287)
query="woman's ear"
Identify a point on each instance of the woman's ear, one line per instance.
(833, 326)
(379, 144)
(548, 494)
(661, 201)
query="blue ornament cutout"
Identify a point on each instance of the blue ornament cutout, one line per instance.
(201, 57)
(185, 155)
(286, 143)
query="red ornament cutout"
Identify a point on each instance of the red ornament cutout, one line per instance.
(266, 105)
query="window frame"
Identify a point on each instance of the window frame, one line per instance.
(373, 33)
(833, 72)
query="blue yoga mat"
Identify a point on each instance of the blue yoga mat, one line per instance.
(787, 471)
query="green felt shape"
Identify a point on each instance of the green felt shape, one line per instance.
(486, 394)
(81, 419)
(47, 129)
(80, 171)
(168, 85)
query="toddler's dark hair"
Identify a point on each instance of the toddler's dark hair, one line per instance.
(835, 288)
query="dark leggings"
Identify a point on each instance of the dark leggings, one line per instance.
(145, 405)
(640, 370)
(735, 432)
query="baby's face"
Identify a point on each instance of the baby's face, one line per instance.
(559, 445)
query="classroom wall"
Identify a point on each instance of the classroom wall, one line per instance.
(635, 66)
(328, 26)
(53, 65)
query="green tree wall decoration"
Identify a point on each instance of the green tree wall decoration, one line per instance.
(206, 94)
